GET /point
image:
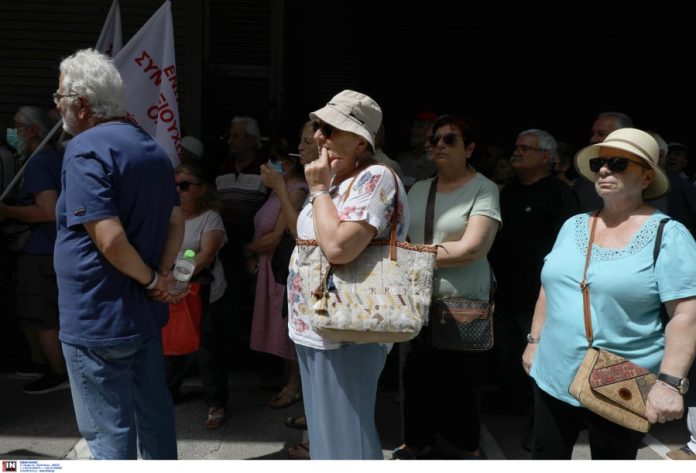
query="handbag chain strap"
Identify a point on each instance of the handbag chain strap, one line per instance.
(583, 284)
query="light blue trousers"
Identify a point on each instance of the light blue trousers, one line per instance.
(340, 390)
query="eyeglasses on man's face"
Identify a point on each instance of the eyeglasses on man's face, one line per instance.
(524, 149)
(326, 129)
(186, 185)
(448, 138)
(615, 164)
(57, 97)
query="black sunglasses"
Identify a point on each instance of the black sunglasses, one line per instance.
(326, 129)
(448, 138)
(614, 164)
(184, 185)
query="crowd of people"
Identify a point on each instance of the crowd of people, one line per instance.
(100, 217)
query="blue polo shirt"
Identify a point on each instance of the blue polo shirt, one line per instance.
(111, 170)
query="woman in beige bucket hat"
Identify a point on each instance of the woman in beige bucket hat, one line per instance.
(627, 285)
(352, 197)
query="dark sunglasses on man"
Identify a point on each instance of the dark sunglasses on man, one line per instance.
(615, 164)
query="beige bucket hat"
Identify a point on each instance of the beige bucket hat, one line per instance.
(636, 142)
(354, 112)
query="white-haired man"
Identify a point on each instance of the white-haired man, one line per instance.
(119, 231)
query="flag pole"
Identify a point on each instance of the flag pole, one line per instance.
(19, 174)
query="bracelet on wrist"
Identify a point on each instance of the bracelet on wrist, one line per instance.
(153, 282)
(532, 340)
(314, 195)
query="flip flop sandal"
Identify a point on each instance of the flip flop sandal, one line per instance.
(286, 397)
(297, 422)
(299, 451)
(216, 417)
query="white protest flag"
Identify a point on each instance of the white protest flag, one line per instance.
(148, 67)
(110, 40)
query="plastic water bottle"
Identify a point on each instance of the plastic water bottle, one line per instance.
(183, 270)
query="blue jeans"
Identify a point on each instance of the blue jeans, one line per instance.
(121, 398)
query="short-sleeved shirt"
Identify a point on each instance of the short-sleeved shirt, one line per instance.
(478, 196)
(111, 170)
(626, 290)
(42, 174)
(370, 200)
(208, 221)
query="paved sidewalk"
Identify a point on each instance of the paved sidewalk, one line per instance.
(44, 427)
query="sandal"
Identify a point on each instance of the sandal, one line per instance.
(216, 417)
(299, 451)
(286, 397)
(297, 422)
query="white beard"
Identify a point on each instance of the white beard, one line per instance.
(69, 122)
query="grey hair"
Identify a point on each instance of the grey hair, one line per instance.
(546, 141)
(251, 126)
(35, 116)
(622, 120)
(92, 75)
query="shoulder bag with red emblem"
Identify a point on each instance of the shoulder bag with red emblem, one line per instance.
(606, 383)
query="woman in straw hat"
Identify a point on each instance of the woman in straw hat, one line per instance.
(339, 380)
(626, 286)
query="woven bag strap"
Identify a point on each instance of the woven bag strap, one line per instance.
(583, 284)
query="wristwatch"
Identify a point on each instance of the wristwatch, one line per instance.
(314, 195)
(681, 384)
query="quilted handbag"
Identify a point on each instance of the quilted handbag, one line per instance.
(614, 388)
(606, 383)
(382, 296)
(461, 324)
(457, 323)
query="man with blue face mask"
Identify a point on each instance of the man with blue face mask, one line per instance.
(37, 294)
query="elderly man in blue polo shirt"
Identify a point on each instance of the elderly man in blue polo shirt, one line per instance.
(119, 230)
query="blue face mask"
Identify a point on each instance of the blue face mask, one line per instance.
(12, 139)
(278, 166)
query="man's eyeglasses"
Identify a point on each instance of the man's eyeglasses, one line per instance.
(524, 149)
(326, 129)
(614, 164)
(185, 185)
(57, 97)
(448, 138)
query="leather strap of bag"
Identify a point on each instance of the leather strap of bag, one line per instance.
(583, 284)
(430, 213)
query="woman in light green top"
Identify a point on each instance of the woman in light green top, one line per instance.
(441, 390)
